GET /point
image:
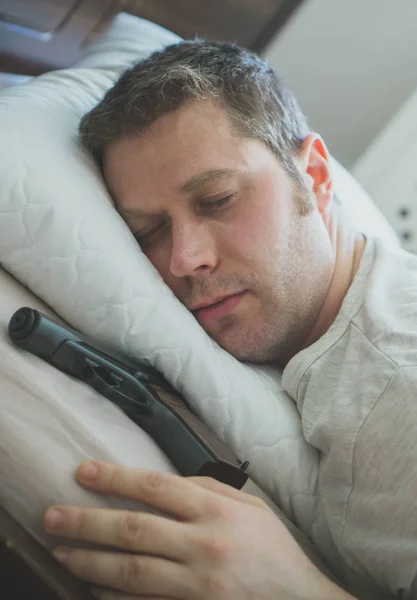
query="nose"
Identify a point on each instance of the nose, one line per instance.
(193, 249)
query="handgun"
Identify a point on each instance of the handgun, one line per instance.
(138, 389)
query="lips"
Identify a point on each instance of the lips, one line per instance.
(218, 309)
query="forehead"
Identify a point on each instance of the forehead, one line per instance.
(179, 145)
(194, 125)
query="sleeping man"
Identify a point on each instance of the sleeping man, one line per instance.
(229, 194)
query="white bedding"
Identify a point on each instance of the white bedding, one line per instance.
(60, 236)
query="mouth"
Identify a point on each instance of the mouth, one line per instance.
(218, 309)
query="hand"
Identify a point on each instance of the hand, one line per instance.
(222, 545)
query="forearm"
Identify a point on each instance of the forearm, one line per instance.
(320, 587)
(328, 592)
(335, 592)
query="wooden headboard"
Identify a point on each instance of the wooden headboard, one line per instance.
(40, 35)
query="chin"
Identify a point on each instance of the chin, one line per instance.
(245, 349)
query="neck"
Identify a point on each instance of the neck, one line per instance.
(348, 246)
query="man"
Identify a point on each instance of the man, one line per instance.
(229, 194)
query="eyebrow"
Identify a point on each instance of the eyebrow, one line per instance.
(204, 178)
(131, 213)
(194, 183)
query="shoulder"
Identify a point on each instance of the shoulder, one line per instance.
(387, 317)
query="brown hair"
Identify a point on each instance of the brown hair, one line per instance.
(259, 104)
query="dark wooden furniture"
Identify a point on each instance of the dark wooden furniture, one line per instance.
(28, 572)
(40, 35)
(251, 23)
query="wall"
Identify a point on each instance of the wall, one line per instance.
(351, 64)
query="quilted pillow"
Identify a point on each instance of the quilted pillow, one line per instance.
(61, 237)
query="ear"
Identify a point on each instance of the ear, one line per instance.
(314, 164)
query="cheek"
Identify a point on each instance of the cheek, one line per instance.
(160, 259)
(254, 234)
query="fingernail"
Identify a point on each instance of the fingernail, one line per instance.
(88, 471)
(54, 519)
(62, 554)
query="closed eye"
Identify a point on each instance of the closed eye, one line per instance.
(145, 237)
(216, 204)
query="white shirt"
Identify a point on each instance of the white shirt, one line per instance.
(356, 390)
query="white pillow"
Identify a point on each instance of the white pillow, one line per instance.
(359, 207)
(60, 236)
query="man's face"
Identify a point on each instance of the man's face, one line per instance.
(219, 218)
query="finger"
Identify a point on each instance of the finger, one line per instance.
(130, 573)
(127, 530)
(167, 492)
(103, 594)
(226, 490)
